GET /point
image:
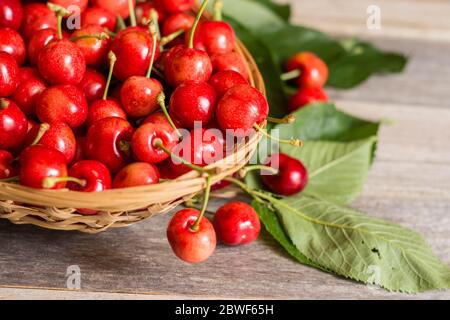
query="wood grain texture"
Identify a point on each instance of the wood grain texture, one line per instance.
(409, 184)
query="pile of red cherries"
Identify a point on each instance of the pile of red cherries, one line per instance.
(84, 108)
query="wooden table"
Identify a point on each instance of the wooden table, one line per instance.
(409, 184)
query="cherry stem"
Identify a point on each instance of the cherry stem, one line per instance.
(125, 146)
(162, 103)
(218, 5)
(243, 172)
(99, 36)
(158, 73)
(195, 227)
(165, 40)
(112, 61)
(255, 194)
(158, 143)
(120, 23)
(4, 103)
(293, 141)
(197, 20)
(290, 118)
(132, 13)
(43, 127)
(60, 13)
(154, 17)
(291, 75)
(11, 179)
(50, 182)
(152, 28)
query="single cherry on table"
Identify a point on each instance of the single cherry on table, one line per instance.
(306, 96)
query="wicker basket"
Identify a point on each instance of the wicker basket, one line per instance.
(55, 209)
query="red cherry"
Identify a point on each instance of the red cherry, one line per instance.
(136, 174)
(185, 64)
(306, 96)
(95, 50)
(177, 21)
(62, 62)
(133, 48)
(9, 74)
(193, 102)
(11, 42)
(175, 6)
(11, 14)
(64, 103)
(314, 72)
(229, 61)
(203, 147)
(58, 136)
(13, 125)
(139, 95)
(36, 16)
(215, 37)
(191, 246)
(98, 16)
(224, 80)
(241, 108)
(101, 109)
(157, 118)
(236, 223)
(31, 85)
(143, 9)
(119, 7)
(38, 41)
(94, 175)
(108, 142)
(7, 169)
(143, 140)
(81, 4)
(80, 151)
(40, 162)
(291, 178)
(93, 84)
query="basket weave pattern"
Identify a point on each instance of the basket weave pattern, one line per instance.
(55, 209)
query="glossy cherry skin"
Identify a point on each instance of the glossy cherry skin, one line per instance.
(62, 62)
(13, 125)
(40, 162)
(59, 136)
(203, 147)
(81, 4)
(9, 74)
(64, 103)
(36, 16)
(193, 102)
(143, 146)
(215, 37)
(99, 16)
(236, 223)
(241, 108)
(229, 61)
(190, 246)
(95, 175)
(175, 6)
(31, 85)
(95, 51)
(136, 174)
(177, 21)
(133, 48)
(11, 14)
(184, 64)
(119, 7)
(314, 71)
(93, 85)
(306, 96)
(100, 109)
(80, 151)
(108, 142)
(7, 169)
(157, 118)
(38, 41)
(224, 80)
(139, 96)
(11, 42)
(142, 12)
(292, 176)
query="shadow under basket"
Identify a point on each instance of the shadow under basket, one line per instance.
(55, 209)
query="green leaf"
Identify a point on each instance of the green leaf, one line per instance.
(282, 10)
(337, 170)
(360, 247)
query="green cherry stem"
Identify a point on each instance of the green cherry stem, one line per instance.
(154, 17)
(196, 225)
(60, 13)
(291, 75)
(120, 23)
(50, 182)
(132, 13)
(4, 103)
(197, 20)
(99, 36)
(218, 5)
(243, 172)
(293, 141)
(152, 29)
(162, 103)
(165, 40)
(43, 128)
(290, 118)
(112, 61)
